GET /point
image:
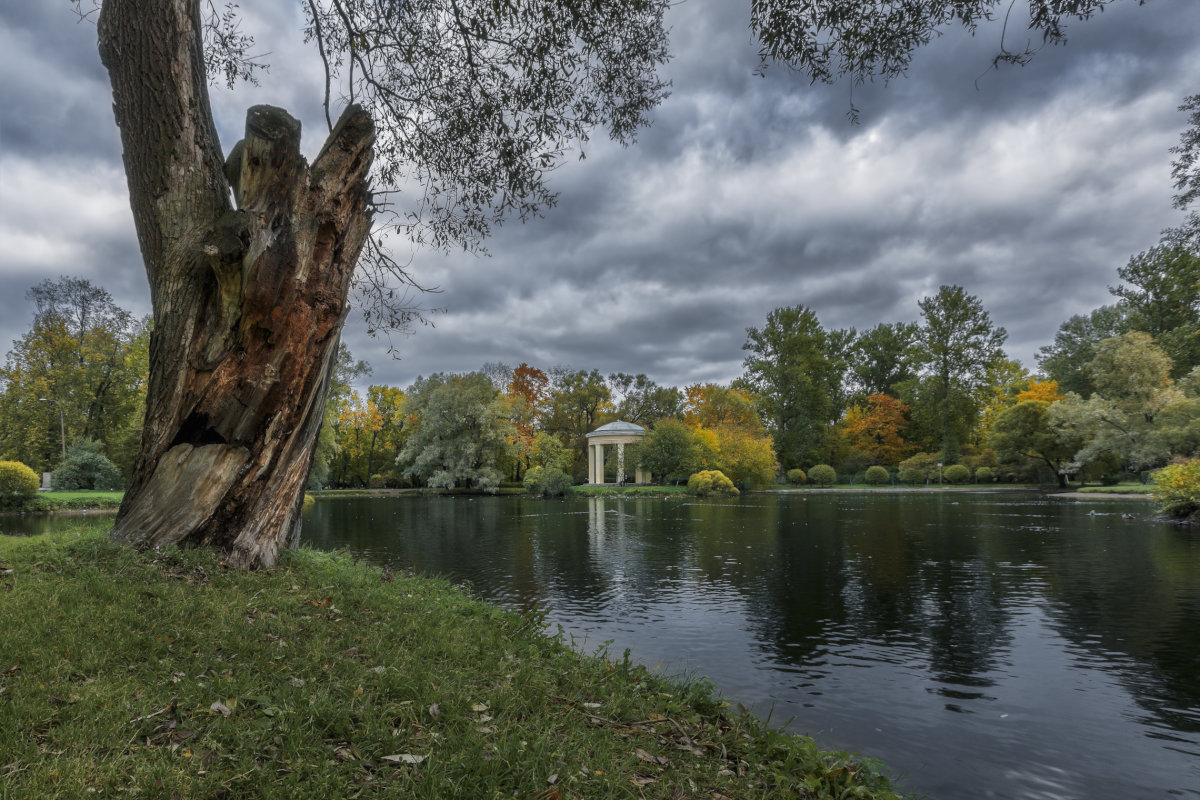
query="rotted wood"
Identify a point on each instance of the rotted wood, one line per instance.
(250, 403)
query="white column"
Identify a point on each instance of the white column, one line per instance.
(620, 462)
(591, 463)
(599, 463)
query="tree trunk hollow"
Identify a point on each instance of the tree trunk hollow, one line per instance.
(237, 388)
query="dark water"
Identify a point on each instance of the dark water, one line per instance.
(983, 645)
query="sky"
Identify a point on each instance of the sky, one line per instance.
(1029, 186)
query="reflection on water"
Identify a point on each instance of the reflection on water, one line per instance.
(989, 645)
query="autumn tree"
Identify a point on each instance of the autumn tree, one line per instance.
(79, 372)
(876, 429)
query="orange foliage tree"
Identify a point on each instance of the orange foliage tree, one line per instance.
(875, 429)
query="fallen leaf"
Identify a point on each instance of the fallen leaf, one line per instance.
(485, 718)
(297, 682)
(486, 729)
(405, 758)
(434, 710)
(479, 707)
(638, 780)
(553, 779)
(648, 758)
(220, 708)
(591, 705)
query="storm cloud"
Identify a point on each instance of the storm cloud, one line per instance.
(1028, 186)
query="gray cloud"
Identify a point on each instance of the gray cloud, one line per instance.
(1027, 186)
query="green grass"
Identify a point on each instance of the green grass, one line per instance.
(1122, 488)
(75, 500)
(164, 675)
(866, 487)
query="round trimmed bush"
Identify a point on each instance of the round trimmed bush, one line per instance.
(710, 481)
(957, 473)
(823, 475)
(877, 476)
(984, 475)
(86, 467)
(796, 476)
(18, 484)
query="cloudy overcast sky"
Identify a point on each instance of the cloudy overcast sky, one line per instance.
(1028, 186)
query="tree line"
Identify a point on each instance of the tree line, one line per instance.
(1117, 391)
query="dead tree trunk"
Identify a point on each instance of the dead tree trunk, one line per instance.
(248, 294)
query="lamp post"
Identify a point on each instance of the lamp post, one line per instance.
(62, 425)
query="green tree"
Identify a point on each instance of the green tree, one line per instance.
(1120, 421)
(1075, 345)
(1024, 431)
(78, 373)
(957, 344)
(642, 401)
(460, 431)
(670, 451)
(790, 370)
(884, 357)
(1161, 296)
(580, 401)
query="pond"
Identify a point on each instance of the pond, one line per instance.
(980, 645)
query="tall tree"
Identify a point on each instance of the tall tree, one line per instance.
(1075, 345)
(883, 357)
(958, 343)
(251, 258)
(1161, 296)
(790, 369)
(640, 400)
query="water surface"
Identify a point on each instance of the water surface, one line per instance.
(981, 645)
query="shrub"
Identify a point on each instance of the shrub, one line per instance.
(984, 475)
(710, 481)
(1177, 488)
(86, 467)
(919, 468)
(547, 481)
(796, 476)
(18, 484)
(877, 476)
(822, 475)
(957, 473)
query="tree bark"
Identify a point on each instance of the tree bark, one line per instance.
(249, 294)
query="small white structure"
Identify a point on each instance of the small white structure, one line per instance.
(619, 433)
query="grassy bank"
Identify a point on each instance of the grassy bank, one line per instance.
(613, 490)
(74, 501)
(163, 675)
(1121, 488)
